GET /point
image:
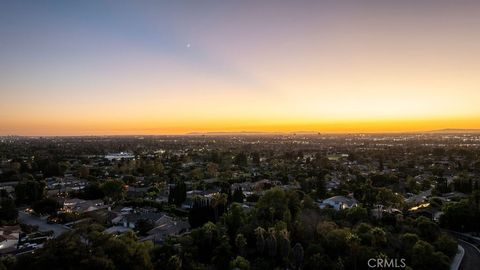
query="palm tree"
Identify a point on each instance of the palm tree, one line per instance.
(218, 200)
(298, 255)
(260, 243)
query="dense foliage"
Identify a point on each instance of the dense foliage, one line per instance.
(252, 202)
(89, 248)
(284, 230)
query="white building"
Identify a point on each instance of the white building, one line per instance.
(9, 237)
(338, 203)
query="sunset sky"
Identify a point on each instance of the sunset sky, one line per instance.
(171, 67)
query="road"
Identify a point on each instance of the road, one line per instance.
(42, 224)
(471, 259)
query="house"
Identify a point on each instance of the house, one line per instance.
(332, 184)
(379, 211)
(120, 156)
(431, 213)
(82, 206)
(9, 236)
(338, 203)
(116, 230)
(245, 186)
(193, 195)
(66, 184)
(137, 192)
(9, 187)
(265, 184)
(162, 198)
(101, 215)
(166, 226)
(130, 220)
(126, 210)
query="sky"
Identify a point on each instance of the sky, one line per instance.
(172, 67)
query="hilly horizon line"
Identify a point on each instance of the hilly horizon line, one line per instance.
(445, 130)
(226, 133)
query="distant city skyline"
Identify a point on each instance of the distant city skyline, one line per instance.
(174, 67)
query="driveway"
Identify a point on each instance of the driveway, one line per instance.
(42, 224)
(420, 197)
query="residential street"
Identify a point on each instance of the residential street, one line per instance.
(471, 259)
(42, 224)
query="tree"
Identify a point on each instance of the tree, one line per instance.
(129, 179)
(283, 245)
(256, 158)
(7, 262)
(272, 206)
(412, 185)
(441, 185)
(84, 172)
(387, 197)
(446, 245)
(238, 195)
(427, 228)
(144, 225)
(205, 239)
(234, 219)
(336, 240)
(241, 243)
(212, 169)
(260, 239)
(218, 203)
(271, 244)
(200, 213)
(461, 216)
(355, 248)
(158, 168)
(379, 237)
(368, 193)
(215, 157)
(29, 191)
(241, 160)
(320, 187)
(240, 263)
(222, 253)
(408, 241)
(178, 193)
(53, 168)
(174, 263)
(92, 191)
(357, 214)
(298, 256)
(88, 248)
(424, 257)
(8, 211)
(114, 190)
(321, 261)
(197, 173)
(46, 206)
(426, 184)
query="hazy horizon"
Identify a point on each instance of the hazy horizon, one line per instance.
(248, 133)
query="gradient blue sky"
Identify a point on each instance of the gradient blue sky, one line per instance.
(131, 67)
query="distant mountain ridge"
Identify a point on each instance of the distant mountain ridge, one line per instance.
(454, 130)
(254, 133)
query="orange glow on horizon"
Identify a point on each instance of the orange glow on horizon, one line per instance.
(152, 128)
